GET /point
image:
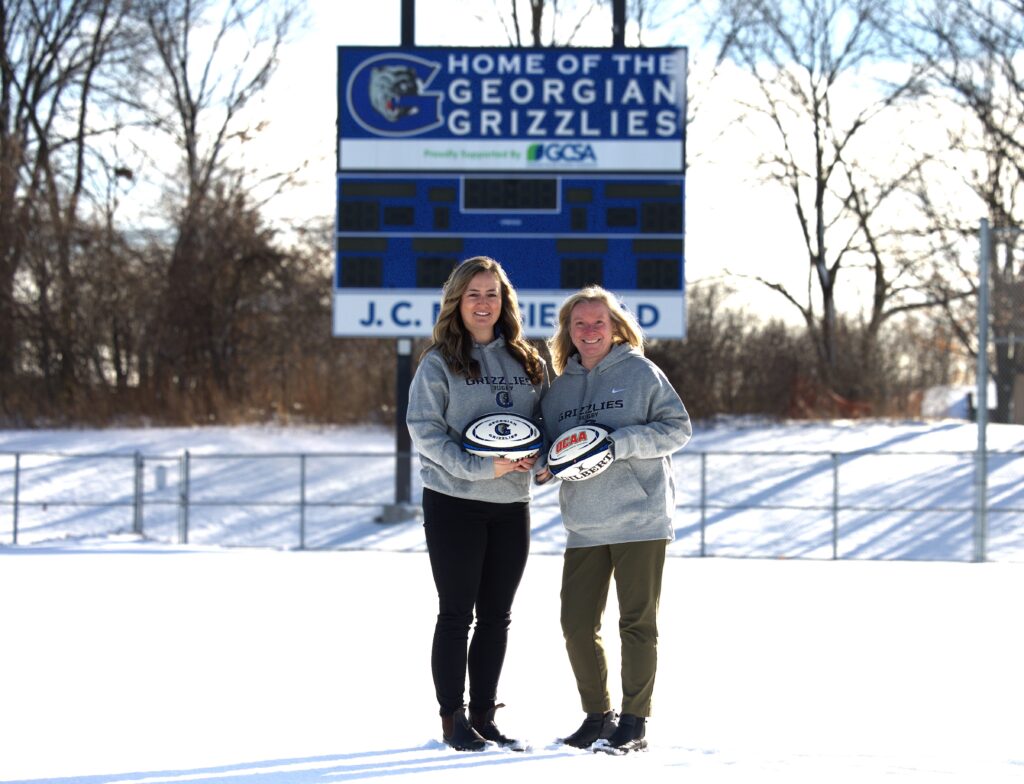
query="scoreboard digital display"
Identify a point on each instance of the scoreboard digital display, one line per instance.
(499, 194)
(625, 234)
(565, 165)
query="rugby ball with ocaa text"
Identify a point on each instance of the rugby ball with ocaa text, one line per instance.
(581, 453)
(502, 435)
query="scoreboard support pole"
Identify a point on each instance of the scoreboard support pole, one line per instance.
(403, 509)
(403, 442)
(408, 22)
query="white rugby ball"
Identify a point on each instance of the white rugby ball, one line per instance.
(502, 435)
(581, 453)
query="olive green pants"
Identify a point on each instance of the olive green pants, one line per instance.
(586, 576)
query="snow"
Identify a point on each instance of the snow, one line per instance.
(140, 659)
(904, 490)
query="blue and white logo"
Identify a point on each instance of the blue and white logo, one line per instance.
(388, 95)
(554, 152)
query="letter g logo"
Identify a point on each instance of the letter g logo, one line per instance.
(386, 95)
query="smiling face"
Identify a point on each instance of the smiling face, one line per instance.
(590, 328)
(480, 306)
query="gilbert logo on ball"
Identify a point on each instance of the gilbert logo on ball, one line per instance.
(502, 435)
(581, 453)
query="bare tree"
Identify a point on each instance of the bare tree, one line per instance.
(818, 138)
(211, 60)
(56, 60)
(561, 22)
(974, 52)
(555, 23)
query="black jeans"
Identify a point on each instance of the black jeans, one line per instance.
(478, 554)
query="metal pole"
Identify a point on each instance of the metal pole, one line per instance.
(618, 23)
(183, 499)
(402, 509)
(981, 458)
(1015, 417)
(703, 499)
(17, 486)
(137, 506)
(408, 22)
(835, 506)
(302, 502)
(403, 441)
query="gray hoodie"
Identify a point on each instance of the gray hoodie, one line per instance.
(633, 500)
(441, 404)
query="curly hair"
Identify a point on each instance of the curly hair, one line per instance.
(625, 328)
(453, 340)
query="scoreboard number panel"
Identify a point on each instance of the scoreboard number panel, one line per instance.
(510, 194)
(416, 221)
(565, 165)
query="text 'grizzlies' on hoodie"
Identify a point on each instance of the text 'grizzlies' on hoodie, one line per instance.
(442, 403)
(634, 498)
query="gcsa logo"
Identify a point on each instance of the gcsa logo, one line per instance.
(561, 153)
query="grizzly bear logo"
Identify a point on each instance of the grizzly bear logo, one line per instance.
(389, 85)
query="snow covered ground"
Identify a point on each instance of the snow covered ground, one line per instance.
(140, 660)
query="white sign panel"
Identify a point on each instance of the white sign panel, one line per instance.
(412, 312)
(448, 155)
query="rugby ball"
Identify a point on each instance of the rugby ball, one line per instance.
(581, 453)
(502, 435)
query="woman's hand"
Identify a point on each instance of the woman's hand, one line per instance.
(543, 475)
(504, 466)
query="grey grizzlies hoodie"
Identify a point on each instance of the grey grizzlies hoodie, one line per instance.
(634, 498)
(441, 404)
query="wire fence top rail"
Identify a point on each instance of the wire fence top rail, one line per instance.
(194, 454)
(682, 453)
(219, 495)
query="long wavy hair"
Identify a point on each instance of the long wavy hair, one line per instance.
(453, 340)
(625, 328)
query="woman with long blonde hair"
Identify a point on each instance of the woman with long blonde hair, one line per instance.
(476, 512)
(619, 522)
(625, 328)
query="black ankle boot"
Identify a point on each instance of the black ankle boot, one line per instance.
(596, 726)
(483, 723)
(459, 734)
(630, 734)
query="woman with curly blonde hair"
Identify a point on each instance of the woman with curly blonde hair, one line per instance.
(476, 512)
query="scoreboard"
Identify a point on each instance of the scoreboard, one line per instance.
(564, 165)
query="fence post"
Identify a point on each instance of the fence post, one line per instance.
(17, 484)
(703, 500)
(981, 416)
(835, 506)
(137, 505)
(302, 501)
(183, 480)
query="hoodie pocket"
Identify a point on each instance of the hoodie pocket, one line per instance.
(609, 501)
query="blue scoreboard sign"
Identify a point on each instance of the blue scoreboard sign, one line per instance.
(566, 165)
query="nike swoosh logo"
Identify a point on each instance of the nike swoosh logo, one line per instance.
(616, 391)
